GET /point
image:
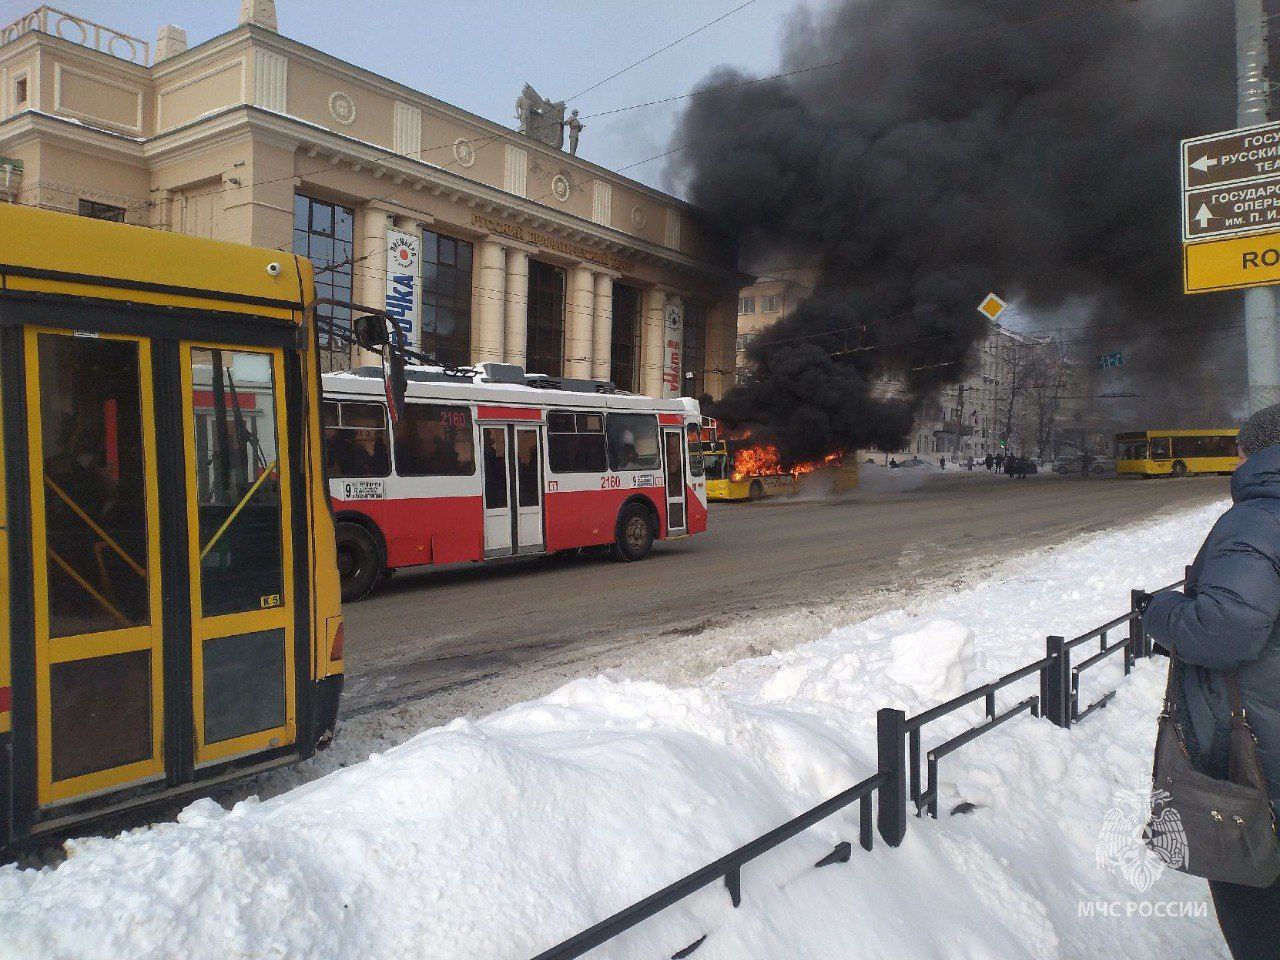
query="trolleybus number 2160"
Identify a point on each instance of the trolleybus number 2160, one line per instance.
(493, 463)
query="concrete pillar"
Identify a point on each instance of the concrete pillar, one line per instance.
(579, 321)
(517, 302)
(488, 315)
(651, 342)
(370, 275)
(602, 336)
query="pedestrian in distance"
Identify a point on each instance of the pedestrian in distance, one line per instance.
(942, 462)
(990, 461)
(1086, 461)
(1227, 619)
(1000, 458)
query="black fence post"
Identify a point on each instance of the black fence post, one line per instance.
(1055, 683)
(891, 752)
(1138, 645)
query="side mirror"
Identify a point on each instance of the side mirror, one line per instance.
(369, 332)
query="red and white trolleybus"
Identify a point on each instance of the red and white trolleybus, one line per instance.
(493, 462)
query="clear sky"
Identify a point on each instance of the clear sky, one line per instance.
(477, 54)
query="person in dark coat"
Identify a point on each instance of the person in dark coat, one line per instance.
(1228, 618)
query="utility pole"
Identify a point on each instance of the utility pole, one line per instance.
(1253, 106)
(960, 421)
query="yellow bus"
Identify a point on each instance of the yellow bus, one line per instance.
(1177, 453)
(724, 483)
(169, 598)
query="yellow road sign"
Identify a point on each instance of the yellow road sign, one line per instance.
(1231, 264)
(992, 307)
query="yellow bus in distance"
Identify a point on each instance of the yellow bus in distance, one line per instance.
(1177, 453)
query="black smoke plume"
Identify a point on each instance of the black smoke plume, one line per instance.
(959, 147)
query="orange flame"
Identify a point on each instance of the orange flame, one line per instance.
(762, 460)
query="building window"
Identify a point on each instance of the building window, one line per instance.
(746, 305)
(20, 91)
(693, 359)
(769, 304)
(546, 319)
(322, 232)
(744, 341)
(446, 298)
(626, 337)
(101, 211)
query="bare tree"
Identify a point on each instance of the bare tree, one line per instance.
(1047, 379)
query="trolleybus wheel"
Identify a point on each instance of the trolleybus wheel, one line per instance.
(359, 562)
(1179, 468)
(755, 491)
(635, 534)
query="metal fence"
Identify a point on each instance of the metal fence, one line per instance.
(898, 783)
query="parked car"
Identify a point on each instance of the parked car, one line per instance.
(913, 462)
(1097, 466)
(1015, 464)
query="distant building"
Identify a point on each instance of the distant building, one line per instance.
(511, 250)
(1024, 396)
(767, 301)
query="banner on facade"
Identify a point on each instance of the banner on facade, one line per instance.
(673, 347)
(403, 294)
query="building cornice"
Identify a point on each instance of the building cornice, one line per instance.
(404, 174)
(278, 43)
(33, 125)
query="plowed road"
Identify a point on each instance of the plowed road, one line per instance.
(452, 633)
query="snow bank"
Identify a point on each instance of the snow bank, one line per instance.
(496, 838)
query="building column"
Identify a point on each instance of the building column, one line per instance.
(722, 329)
(579, 322)
(489, 302)
(652, 336)
(372, 273)
(517, 304)
(602, 336)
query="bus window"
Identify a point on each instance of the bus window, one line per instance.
(695, 450)
(95, 517)
(714, 466)
(633, 441)
(1131, 450)
(527, 483)
(495, 468)
(355, 439)
(1205, 445)
(238, 500)
(1160, 448)
(434, 440)
(575, 442)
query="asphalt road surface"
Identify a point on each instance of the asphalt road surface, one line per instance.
(440, 631)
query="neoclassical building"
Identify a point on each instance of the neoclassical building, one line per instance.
(489, 245)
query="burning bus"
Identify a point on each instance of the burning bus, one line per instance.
(741, 468)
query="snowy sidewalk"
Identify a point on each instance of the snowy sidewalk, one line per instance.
(496, 838)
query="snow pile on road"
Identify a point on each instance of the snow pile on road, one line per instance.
(496, 838)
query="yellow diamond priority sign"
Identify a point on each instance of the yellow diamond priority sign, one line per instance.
(992, 307)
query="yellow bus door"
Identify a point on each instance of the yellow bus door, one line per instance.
(95, 563)
(240, 550)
